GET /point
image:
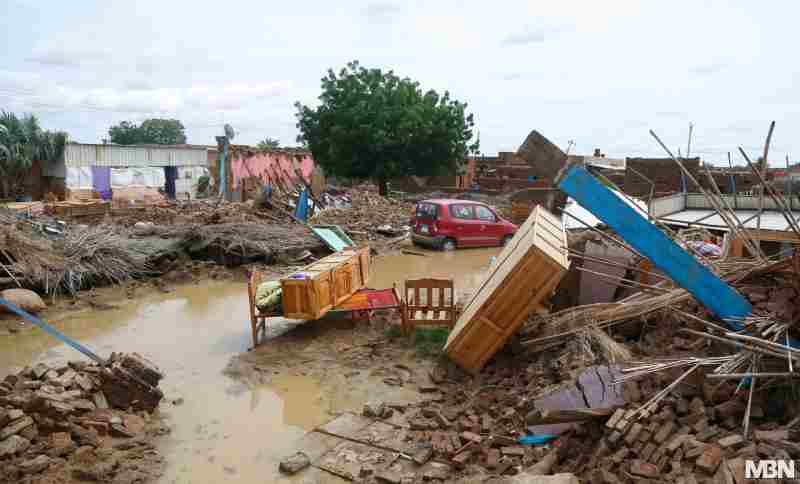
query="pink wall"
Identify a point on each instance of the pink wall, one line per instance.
(271, 166)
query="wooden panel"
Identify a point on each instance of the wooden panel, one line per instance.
(524, 274)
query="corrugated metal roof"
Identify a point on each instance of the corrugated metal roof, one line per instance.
(770, 220)
(77, 154)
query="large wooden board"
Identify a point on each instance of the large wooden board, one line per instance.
(523, 275)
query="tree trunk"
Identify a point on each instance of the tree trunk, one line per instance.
(383, 187)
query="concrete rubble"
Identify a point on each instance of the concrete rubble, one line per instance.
(82, 418)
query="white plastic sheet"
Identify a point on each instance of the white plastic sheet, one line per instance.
(152, 177)
(79, 177)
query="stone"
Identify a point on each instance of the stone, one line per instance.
(442, 420)
(13, 445)
(696, 406)
(731, 408)
(648, 451)
(25, 299)
(644, 469)
(84, 382)
(524, 478)
(39, 370)
(85, 436)
(15, 427)
(492, 458)
(100, 400)
(615, 417)
(676, 442)
(470, 437)
(422, 456)
(388, 476)
(102, 428)
(664, 432)
(37, 464)
(461, 459)
(775, 435)
(517, 450)
(731, 441)
(633, 433)
(710, 458)
(15, 414)
(373, 409)
(60, 444)
(134, 423)
(294, 463)
(437, 471)
(119, 430)
(30, 432)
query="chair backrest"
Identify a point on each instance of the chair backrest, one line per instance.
(253, 282)
(429, 301)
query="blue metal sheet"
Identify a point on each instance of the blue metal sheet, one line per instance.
(651, 242)
(333, 236)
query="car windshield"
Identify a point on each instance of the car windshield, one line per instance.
(427, 210)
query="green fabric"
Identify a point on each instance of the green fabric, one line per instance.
(268, 294)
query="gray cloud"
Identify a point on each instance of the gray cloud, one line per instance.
(382, 11)
(708, 69)
(64, 57)
(529, 35)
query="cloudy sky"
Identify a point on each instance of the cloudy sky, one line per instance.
(600, 73)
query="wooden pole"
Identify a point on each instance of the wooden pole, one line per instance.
(689, 175)
(761, 168)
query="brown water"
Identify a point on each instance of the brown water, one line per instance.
(466, 267)
(224, 430)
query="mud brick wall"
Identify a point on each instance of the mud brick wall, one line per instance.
(663, 172)
(544, 157)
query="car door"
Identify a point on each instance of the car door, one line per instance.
(467, 233)
(491, 229)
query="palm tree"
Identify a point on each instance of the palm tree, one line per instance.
(22, 140)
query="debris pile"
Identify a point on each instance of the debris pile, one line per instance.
(690, 437)
(82, 418)
(369, 216)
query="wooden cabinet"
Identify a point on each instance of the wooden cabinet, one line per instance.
(316, 289)
(524, 274)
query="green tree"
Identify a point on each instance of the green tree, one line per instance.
(151, 131)
(268, 144)
(375, 125)
(22, 140)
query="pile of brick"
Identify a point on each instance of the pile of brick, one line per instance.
(688, 441)
(459, 427)
(51, 415)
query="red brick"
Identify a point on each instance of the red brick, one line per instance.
(461, 459)
(771, 435)
(644, 469)
(648, 451)
(493, 458)
(730, 441)
(515, 450)
(710, 458)
(470, 437)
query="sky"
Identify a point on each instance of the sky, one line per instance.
(598, 73)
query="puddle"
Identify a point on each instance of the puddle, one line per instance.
(466, 267)
(225, 430)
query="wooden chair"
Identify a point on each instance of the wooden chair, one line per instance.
(428, 302)
(258, 319)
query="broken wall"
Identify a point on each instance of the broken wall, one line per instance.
(544, 157)
(663, 172)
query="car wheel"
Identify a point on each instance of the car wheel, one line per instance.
(448, 245)
(506, 240)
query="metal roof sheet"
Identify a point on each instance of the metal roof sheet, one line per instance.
(770, 220)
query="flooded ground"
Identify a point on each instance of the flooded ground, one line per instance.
(222, 428)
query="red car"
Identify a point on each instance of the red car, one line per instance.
(446, 224)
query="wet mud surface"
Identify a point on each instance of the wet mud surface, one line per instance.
(232, 414)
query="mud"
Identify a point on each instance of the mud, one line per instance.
(233, 414)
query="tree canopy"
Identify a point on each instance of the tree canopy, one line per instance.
(268, 144)
(22, 140)
(375, 125)
(151, 131)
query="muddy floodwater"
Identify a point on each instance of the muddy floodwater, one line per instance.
(222, 429)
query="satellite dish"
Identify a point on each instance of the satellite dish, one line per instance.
(229, 133)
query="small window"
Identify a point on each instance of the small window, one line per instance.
(484, 214)
(462, 212)
(427, 210)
